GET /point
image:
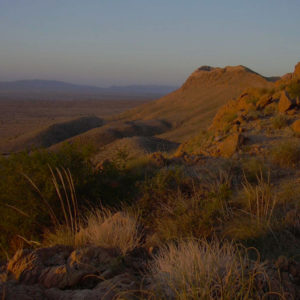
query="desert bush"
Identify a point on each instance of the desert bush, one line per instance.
(252, 167)
(195, 144)
(280, 121)
(253, 114)
(286, 154)
(196, 211)
(191, 270)
(270, 109)
(23, 211)
(159, 187)
(294, 89)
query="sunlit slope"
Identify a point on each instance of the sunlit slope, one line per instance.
(193, 106)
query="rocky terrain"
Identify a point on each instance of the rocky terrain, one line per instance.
(219, 218)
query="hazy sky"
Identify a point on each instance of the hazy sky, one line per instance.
(104, 42)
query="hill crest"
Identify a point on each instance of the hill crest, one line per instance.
(195, 103)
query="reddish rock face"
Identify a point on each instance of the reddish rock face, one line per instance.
(285, 102)
(296, 126)
(230, 145)
(297, 70)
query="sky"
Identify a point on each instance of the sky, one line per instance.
(124, 42)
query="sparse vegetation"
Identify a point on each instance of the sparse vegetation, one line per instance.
(294, 89)
(192, 270)
(280, 121)
(286, 154)
(197, 224)
(229, 117)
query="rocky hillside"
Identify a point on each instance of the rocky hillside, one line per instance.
(219, 219)
(193, 106)
(254, 123)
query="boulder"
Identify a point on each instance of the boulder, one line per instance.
(230, 145)
(296, 126)
(59, 266)
(285, 103)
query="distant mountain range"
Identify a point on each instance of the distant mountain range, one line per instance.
(46, 87)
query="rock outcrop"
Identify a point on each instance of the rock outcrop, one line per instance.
(285, 103)
(230, 145)
(61, 272)
(296, 126)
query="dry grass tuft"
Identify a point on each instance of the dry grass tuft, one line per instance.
(192, 270)
(107, 229)
(101, 228)
(259, 200)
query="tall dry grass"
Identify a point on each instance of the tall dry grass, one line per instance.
(113, 230)
(101, 227)
(192, 270)
(260, 200)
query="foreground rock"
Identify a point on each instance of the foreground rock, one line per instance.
(296, 126)
(61, 272)
(97, 273)
(285, 103)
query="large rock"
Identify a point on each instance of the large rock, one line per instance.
(230, 145)
(59, 266)
(285, 103)
(296, 126)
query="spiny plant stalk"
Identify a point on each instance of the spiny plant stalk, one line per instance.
(69, 203)
(65, 190)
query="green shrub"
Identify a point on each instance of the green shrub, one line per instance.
(23, 211)
(195, 209)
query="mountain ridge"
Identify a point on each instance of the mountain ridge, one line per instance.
(56, 86)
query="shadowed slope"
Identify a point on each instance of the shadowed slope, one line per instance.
(56, 133)
(135, 146)
(111, 132)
